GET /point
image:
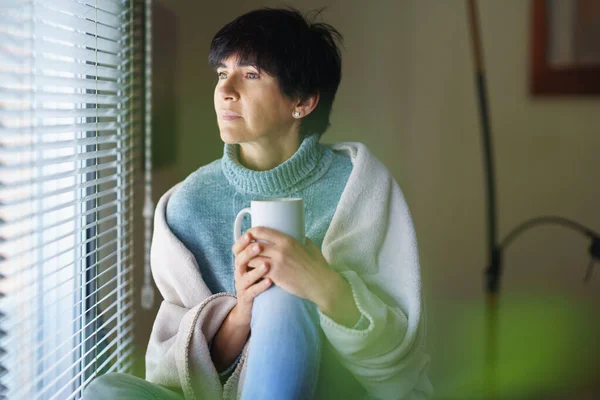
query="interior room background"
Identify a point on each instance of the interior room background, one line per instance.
(409, 93)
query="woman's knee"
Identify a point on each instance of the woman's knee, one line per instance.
(275, 302)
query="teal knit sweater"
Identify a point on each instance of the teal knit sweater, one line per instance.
(202, 211)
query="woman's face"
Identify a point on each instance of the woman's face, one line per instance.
(265, 112)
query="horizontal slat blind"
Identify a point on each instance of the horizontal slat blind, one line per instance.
(70, 100)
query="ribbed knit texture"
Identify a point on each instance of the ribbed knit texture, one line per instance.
(309, 163)
(202, 211)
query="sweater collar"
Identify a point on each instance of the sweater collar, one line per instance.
(287, 176)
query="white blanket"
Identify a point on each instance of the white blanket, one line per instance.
(370, 241)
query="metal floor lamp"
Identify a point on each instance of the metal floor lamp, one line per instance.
(495, 248)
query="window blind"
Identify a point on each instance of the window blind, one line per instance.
(69, 117)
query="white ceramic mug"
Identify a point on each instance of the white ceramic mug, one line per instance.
(285, 215)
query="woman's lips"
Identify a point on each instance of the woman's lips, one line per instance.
(229, 115)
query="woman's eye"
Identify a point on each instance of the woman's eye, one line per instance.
(251, 75)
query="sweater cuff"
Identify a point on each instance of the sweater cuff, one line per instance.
(362, 324)
(224, 375)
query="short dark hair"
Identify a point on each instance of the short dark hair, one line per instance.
(302, 54)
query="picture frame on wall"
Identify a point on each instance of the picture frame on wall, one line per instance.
(565, 48)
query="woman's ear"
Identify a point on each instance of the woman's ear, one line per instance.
(308, 105)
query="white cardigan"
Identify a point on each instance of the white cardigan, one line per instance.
(370, 241)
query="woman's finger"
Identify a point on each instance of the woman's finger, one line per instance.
(254, 275)
(243, 257)
(258, 288)
(241, 243)
(257, 261)
(310, 245)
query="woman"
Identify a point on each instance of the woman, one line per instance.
(338, 317)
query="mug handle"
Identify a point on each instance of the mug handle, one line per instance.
(237, 226)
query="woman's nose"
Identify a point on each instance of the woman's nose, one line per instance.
(228, 90)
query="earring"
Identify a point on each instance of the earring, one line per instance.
(296, 114)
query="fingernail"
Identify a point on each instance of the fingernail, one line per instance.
(256, 248)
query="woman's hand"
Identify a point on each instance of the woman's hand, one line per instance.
(248, 283)
(296, 268)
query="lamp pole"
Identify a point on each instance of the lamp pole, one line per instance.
(494, 255)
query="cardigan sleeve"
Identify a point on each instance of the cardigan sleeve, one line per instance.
(372, 244)
(375, 351)
(178, 350)
(188, 318)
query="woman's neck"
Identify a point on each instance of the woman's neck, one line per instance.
(267, 153)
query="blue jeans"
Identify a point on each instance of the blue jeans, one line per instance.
(283, 360)
(285, 348)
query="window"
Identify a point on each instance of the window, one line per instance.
(67, 130)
